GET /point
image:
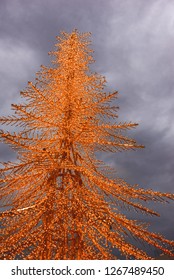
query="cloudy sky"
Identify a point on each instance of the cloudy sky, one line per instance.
(133, 42)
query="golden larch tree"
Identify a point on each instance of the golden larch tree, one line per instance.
(58, 201)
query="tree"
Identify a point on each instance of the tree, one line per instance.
(59, 204)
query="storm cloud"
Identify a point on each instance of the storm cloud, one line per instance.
(133, 43)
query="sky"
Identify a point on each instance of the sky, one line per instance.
(133, 43)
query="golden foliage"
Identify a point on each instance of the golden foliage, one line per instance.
(60, 205)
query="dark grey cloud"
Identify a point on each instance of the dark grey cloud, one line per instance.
(133, 43)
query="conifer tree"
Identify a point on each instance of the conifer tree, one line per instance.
(58, 200)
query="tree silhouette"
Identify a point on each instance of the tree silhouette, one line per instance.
(58, 202)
